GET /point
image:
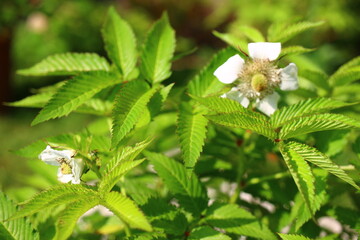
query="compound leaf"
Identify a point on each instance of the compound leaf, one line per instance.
(158, 51)
(303, 108)
(319, 159)
(191, 130)
(67, 220)
(14, 229)
(129, 105)
(126, 210)
(186, 187)
(120, 42)
(67, 64)
(60, 194)
(74, 93)
(233, 219)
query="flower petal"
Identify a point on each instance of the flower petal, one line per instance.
(229, 71)
(77, 168)
(264, 50)
(235, 95)
(289, 78)
(64, 178)
(268, 105)
(52, 157)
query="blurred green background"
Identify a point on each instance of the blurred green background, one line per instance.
(30, 30)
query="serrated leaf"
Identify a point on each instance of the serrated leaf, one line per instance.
(207, 233)
(345, 76)
(205, 83)
(244, 121)
(130, 104)
(158, 51)
(156, 102)
(233, 219)
(319, 159)
(112, 177)
(67, 64)
(126, 153)
(285, 33)
(292, 237)
(120, 42)
(294, 50)
(316, 123)
(316, 105)
(186, 187)
(299, 212)
(350, 64)
(68, 218)
(252, 33)
(14, 229)
(126, 210)
(226, 105)
(232, 40)
(60, 194)
(302, 175)
(74, 93)
(318, 78)
(191, 130)
(36, 101)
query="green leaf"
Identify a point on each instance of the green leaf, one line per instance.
(245, 121)
(285, 33)
(120, 164)
(303, 108)
(207, 233)
(68, 218)
(233, 219)
(130, 103)
(186, 187)
(60, 194)
(232, 40)
(292, 237)
(299, 212)
(205, 83)
(67, 64)
(318, 78)
(355, 62)
(126, 153)
(36, 101)
(74, 93)
(158, 51)
(315, 123)
(226, 105)
(345, 76)
(302, 175)
(120, 42)
(252, 33)
(126, 210)
(191, 130)
(317, 158)
(294, 50)
(14, 229)
(112, 177)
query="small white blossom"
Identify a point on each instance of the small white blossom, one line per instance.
(70, 169)
(256, 79)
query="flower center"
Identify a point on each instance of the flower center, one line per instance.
(259, 82)
(65, 168)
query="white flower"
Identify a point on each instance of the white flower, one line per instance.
(256, 79)
(70, 169)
